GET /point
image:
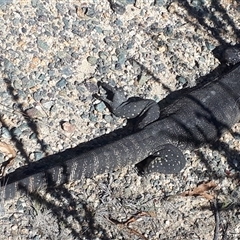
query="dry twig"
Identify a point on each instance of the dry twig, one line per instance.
(201, 190)
(125, 224)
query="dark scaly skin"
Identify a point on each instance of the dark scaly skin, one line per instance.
(199, 117)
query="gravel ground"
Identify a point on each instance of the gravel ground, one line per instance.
(52, 54)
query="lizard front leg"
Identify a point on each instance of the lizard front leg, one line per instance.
(144, 111)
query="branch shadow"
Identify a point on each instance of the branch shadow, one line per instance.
(30, 123)
(91, 227)
(208, 18)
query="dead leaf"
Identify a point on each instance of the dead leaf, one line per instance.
(9, 151)
(125, 224)
(35, 112)
(201, 190)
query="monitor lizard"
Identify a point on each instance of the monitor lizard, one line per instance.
(195, 118)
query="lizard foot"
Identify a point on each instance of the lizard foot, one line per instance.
(168, 160)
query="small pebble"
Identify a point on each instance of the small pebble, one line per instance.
(68, 127)
(92, 60)
(61, 83)
(5, 133)
(42, 45)
(100, 107)
(118, 8)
